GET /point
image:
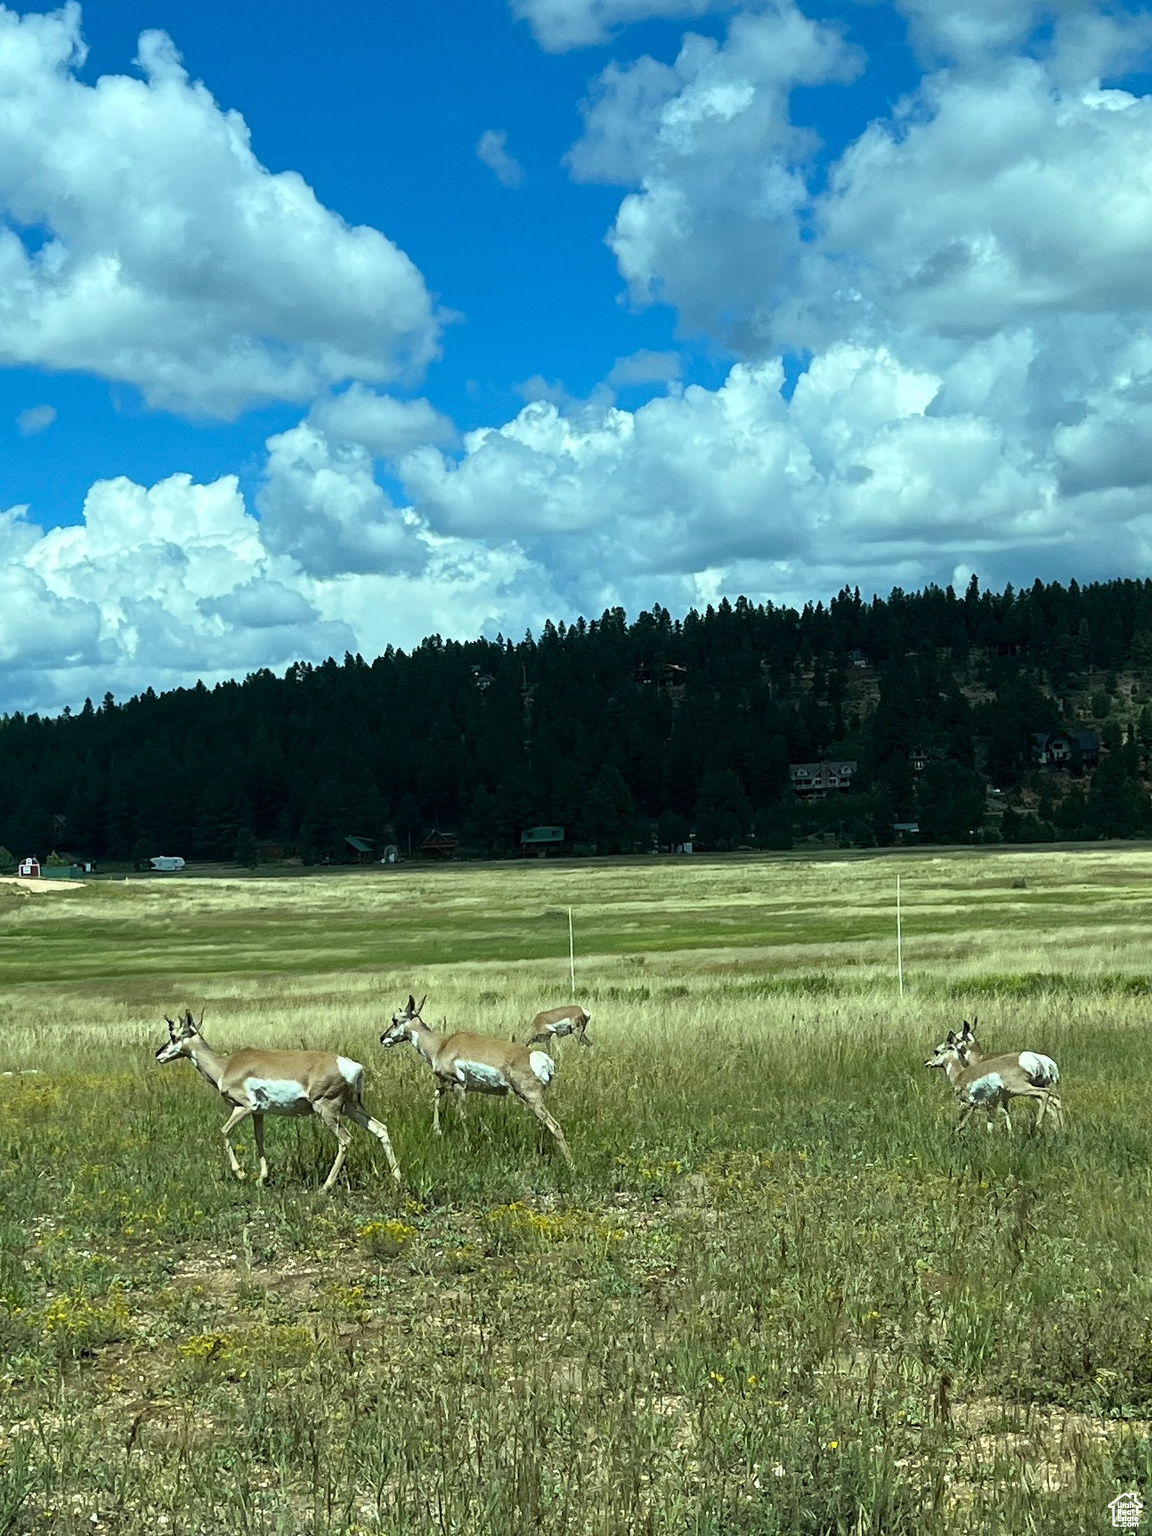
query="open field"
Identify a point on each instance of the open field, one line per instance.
(776, 1296)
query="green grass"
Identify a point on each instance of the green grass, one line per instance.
(777, 1295)
(188, 928)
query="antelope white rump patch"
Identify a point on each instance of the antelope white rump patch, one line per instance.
(277, 1096)
(350, 1071)
(543, 1066)
(479, 1075)
(1041, 1069)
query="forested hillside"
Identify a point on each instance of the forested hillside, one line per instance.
(628, 735)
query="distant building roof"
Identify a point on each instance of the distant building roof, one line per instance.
(810, 770)
(1087, 741)
(542, 835)
(439, 844)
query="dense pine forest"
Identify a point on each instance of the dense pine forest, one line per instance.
(630, 736)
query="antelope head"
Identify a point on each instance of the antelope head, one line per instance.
(181, 1032)
(948, 1050)
(400, 1028)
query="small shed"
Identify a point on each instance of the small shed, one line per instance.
(538, 840)
(29, 869)
(439, 845)
(541, 836)
(360, 846)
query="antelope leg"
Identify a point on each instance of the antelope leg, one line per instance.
(441, 1090)
(549, 1124)
(237, 1117)
(343, 1135)
(258, 1128)
(380, 1131)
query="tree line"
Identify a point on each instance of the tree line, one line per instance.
(630, 735)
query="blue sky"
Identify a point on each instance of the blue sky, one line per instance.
(330, 330)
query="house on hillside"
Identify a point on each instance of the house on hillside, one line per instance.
(812, 781)
(1060, 749)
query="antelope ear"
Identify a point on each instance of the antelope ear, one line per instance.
(951, 1037)
(411, 1004)
(966, 1032)
(171, 1027)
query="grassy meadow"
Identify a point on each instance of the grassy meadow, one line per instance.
(777, 1295)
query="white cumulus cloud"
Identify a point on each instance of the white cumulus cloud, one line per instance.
(321, 504)
(174, 261)
(387, 427)
(155, 586)
(852, 473)
(712, 226)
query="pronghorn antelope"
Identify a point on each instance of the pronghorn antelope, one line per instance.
(478, 1064)
(990, 1082)
(556, 1022)
(258, 1083)
(1041, 1069)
